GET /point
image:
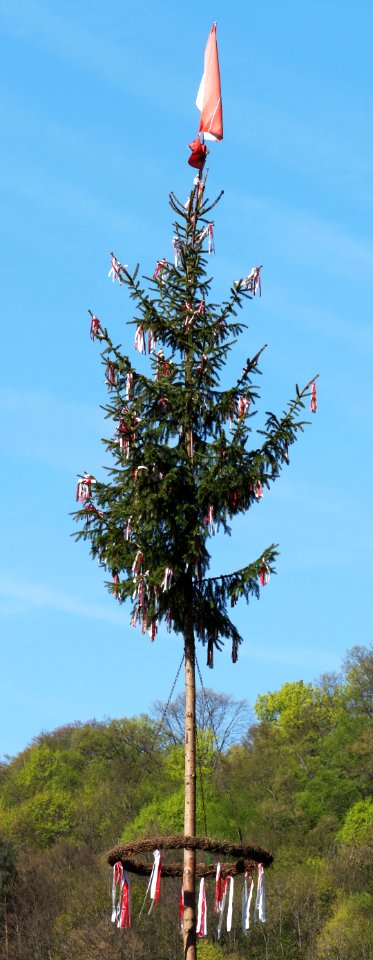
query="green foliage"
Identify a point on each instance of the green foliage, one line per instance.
(348, 934)
(298, 783)
(358, 823)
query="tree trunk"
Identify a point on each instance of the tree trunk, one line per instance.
(189, 877)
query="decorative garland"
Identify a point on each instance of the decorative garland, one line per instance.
(247, 856)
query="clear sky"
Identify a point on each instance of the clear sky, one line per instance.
(97, 106)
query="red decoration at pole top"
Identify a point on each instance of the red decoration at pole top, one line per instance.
(199, 153)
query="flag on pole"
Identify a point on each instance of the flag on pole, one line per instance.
(209, 94)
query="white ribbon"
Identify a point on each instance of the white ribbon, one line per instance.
(154, 877)
(230, 904)
(260, 901)
(246, 903)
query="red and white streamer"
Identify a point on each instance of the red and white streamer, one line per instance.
(110, 375)
(209, 521)
(201, 929)
(218, 890)
(139, 342)
(154, 884)
(247, 894)
(128, 528)
(258, 491)
(253, 281)
(210, 236)
(114, 273)
(137, 563)
(124, 919)
(95, 326)
(161, 266)
(115, 890)
(83, 489)
(228, 893)
(260, 901)
(243, 405)
(209, 233)
(265, 574)
(313, 404)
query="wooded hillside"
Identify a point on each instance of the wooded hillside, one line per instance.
(297, 781)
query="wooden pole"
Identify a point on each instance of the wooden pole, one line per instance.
(190, 820)
(189, 876)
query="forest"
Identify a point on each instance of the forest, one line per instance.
(293, 775)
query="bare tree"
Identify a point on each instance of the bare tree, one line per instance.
(227, 718)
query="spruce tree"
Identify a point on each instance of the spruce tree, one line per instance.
(184, 460)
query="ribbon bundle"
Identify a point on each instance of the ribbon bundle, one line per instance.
(114, 270)
(121, 897)
(83, 490)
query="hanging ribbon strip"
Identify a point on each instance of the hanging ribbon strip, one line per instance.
(121, 897)
(95, 326)
(258, 491)
(176, 243)
(181, 911)
(201, 929)
(260, 901)
(230, 904)
(243, 405)
(209, 521)
(264, 575)
(117, 880)
(129, 386)
(139, 342)
(218, 890)
(154, 884)
(247, 893)
(161, 265)
(253, 281)
(151, 342)
(110, 375)
(227, 893)
(209, 233)
(128, 529)
(313, 404)
(124, 920)
(167, 579)
(114, 270)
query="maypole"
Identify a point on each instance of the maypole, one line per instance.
(209, 102)
(178, 475)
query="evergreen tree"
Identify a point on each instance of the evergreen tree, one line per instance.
(177, 473)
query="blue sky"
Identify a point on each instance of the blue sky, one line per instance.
(97, 107)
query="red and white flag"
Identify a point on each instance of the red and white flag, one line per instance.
(209, 93)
